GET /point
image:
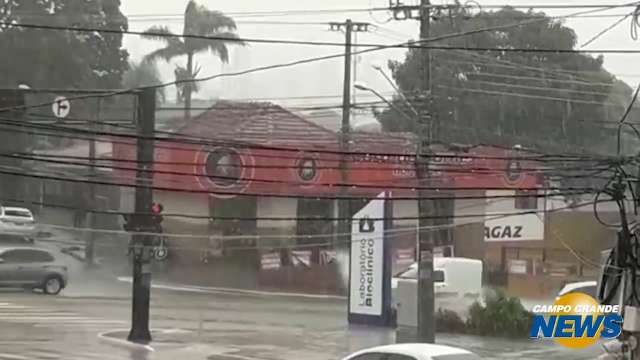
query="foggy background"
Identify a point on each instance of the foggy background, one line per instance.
(325, 78)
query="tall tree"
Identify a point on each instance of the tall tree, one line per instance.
(198, 20)
(552, 101)
(46, 58)
(62, 59)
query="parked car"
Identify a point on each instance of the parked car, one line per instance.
(588, 287)
(17, 221)
(413, 352)
(32, 268)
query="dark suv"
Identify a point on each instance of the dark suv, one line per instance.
(31, 268)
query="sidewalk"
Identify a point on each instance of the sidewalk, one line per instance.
(231, 291)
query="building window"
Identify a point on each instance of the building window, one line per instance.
(526, 200)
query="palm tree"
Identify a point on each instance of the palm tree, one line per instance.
(198, 20)
(182, 76)
(144, 73)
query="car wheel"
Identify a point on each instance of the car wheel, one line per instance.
(52, 285)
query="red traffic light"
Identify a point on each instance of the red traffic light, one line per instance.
(156, 208)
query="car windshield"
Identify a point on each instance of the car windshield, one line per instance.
(258, 180)
(18, 213)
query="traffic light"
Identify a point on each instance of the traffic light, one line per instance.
(144, 222)
(156, 219)
(156, 208)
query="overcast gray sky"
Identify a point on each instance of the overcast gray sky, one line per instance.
(325, 78)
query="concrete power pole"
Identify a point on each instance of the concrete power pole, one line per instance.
(91, 223)
(425, 302)
(426, 307)
(427, 131)
(349, 28)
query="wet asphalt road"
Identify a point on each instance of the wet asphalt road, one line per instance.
(211, 326)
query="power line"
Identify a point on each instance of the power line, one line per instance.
(301, 183)
(302, 61)
(606, 30)
(570, 76)
(410, 45)
(321, 236)
(194, 140)
(290, 12)
(302, 218)
(517, 77)
(22, 173)
(452, 168)
(207, 141)
(444, 168)
(540, 97)
(541, 88)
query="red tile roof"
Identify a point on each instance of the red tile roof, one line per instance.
(258, 123)
(270, 124)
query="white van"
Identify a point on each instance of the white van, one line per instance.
(457, 284)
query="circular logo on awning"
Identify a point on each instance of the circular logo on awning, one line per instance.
(227, 169)
(513, 171)
(224, 167)
(307, 169)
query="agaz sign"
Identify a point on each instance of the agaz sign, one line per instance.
(497, 227)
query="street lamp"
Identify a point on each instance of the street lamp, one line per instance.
(363, 87)
(377, 66)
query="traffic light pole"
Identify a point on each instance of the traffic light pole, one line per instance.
(142, 244)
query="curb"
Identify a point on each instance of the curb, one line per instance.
(73, 254)
(232, 291)
(104, 336)
(94, 297)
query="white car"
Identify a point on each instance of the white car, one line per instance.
(588, 287)
(17, 221)
(413, 352)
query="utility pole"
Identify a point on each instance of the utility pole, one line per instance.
(89, 249)
(354, 97)
(142, 220)
(426, 206)
(343, 204)
(426, 307)
(91, 223)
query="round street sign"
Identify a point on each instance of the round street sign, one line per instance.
(161, 253)
(61, 107)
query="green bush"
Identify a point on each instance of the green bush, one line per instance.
(501, 316)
